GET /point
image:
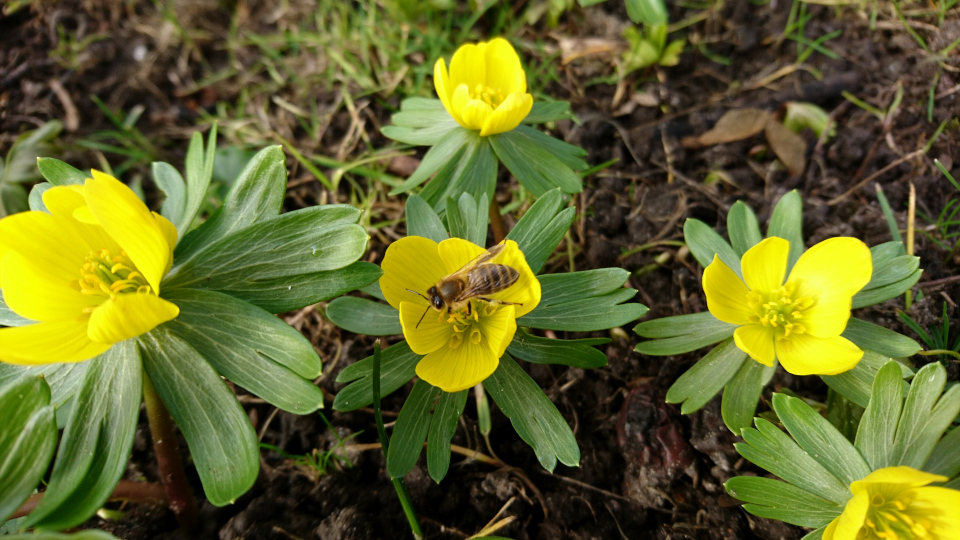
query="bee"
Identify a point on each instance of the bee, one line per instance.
(478, 279)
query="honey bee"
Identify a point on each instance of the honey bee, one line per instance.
(478, 279)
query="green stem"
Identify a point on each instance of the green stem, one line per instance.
(937, 352)
(165, 446)
(398, 484)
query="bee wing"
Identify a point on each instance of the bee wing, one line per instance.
(482, 258)
(488, 278)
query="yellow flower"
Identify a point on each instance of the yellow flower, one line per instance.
(893, 504)
(798, 321)
(461, 349)
(89, 272)
(486, 88)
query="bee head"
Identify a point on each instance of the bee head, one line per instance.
(435, 299)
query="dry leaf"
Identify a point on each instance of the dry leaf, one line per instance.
(789, 147)
(735, 125)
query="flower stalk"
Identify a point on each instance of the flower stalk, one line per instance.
(172, 475)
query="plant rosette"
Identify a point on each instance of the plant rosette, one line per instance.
(878, 486)
(772, 303)
(104, 299)
(452, 352)
(484, 115)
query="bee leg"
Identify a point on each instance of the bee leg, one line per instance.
(496, 302)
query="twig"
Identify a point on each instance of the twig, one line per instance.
(126, 490)
(873, 176)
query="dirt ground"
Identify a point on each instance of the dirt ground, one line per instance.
(646, 470)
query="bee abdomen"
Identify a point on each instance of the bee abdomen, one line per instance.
(505, 276)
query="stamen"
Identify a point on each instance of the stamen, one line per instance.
(106, 274)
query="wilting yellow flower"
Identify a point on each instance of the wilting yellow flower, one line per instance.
(89, 272)
(894, 504)
(798, 321)
(464, 347)
(486, 88)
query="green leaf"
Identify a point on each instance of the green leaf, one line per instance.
(97, 440)
(584, 302)
(815, 534)
(540, 230)
(774, 499)
(767, 447)
(27, 440)
(423, 221)
(699, 384)
(892, 275)
(250, 347)
(64, 379)
(475, 173)
(468, 218)
(314, 239)
(279, 295)
(398, 365)
(878, 425)
(820, 439)
(256, 196)
(924, 417)
(439, 155)
(869, 336)
(199, 166)
(90, 534)
(14, 198)
(35, 200)
(222, 442)
(568, 154)
(8, 317)
(363, 316)
(172, 185)
(945, 459)
(566, 352)
(59, 173)
(855, 384)
(533, 165)
(421, 121)
(533, 415)
(442, 427)
(548, 111)
(704, 243)
(741, 394)
(411, 429)
(647, 12)
(682, 333)
(742, 228)
(787, 222)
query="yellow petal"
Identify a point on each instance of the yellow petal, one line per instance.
(947, 501)
(63, 200)
(459, 368)
(503, 69)
(726, 294)
(128, 221)
(413, 262)
(48, 343)
(765, 264)
(441, 82)
(48, 241)
(36, 294)
(525, 292)
(757, 341)
(903, 477)
(830, 531)
(473, 112)
(499, 328)
(830, 273)
(457, 252)
(427, 335)
(468, 66)
(508, 115)
(128, 315)
(803, 354)
(852, 519)
(169, 231)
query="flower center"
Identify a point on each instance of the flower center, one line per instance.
(780, 309)
(491, 96)
(467, 325)
(106, 274)
(890, 519)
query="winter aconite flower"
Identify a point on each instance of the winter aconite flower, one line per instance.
(896, 503)
(88, 272)
(462, 347)
(486, 88)
(797, 321)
